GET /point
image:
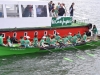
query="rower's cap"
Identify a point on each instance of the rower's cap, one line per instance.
(27, 37)
(70, 33)
(57, 33)
(44, 37)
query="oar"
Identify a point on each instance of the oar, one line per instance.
(80, 57)
(86, 52)
(90, 54)
(68, 59)
(48, 50)
(91, 44)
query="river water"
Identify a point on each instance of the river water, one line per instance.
(59, 63)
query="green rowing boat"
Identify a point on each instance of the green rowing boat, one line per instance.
(16, 50)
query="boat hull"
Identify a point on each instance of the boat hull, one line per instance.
(14, 50)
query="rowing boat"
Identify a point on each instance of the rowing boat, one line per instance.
(16, 50)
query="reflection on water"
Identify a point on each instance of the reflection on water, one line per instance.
(52, 63)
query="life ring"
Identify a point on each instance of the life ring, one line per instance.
(88, 33)
(89, 25)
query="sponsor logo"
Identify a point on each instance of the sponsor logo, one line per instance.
(62, 21)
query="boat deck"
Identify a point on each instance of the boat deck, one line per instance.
(78, 24)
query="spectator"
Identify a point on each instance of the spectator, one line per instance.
(58, 6)
(52, 13)
(61, 11)
(94, 32)
(39, 11)
(30, 10)
(71, 9)
(50, 5)
(56, 12)
(44, 13)
(64, 8)
(26, 12)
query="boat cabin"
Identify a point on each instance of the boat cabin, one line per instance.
(30, 18)
(24, 14)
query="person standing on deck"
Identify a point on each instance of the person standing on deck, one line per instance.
(61, 11)
(50, 5)
(94, 32)
(22, 41)
(65, 9)
(71, 9)
(58, 6)
(35, 41)
(69, 36)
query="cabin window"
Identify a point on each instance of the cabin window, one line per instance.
(41, 10)
(14, 34)
(45, 33)
(25, 34)
(3, 35)
(35, 33)
(12, 10)
(27, 10)
(54, 32)
(1, 11)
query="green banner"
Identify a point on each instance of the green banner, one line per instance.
(61, 21)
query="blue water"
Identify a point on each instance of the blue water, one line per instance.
(79, 63)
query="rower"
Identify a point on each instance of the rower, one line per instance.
(22, 41)
(53, 41)
(69, 36)
(35, 41)
(84, 38)
(74, 39)
(42, 42)
(79, 35)
(48, 40)
(27, 42)
(65, 40)
(57, 37)
(9, 42)
(1, 40)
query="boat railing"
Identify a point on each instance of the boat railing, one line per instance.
(81, 18)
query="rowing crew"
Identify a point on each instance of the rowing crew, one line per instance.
(47, 40)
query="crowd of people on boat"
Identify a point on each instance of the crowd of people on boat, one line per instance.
(60, 9)
(54, 11)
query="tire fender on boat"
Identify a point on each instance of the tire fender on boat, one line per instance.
(88, 33)
(89, 25)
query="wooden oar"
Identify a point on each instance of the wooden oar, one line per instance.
(68, 59)
(48, 50)
(80, 57)
(90, 54)
(86, 53)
